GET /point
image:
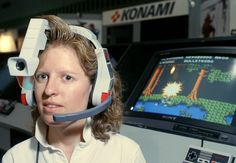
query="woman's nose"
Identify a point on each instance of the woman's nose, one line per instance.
(51, 87)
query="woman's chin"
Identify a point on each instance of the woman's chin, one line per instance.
(50, 122)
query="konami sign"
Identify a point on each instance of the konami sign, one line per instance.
(149, 11)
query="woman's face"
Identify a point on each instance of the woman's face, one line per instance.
(61, 85)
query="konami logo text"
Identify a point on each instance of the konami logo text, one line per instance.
(144, 12)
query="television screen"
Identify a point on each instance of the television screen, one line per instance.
(188, 91)
(135, 58)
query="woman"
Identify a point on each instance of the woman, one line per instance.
(63, 83)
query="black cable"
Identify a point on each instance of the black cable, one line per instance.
(37, 154)
(202, 142)
(233, 159)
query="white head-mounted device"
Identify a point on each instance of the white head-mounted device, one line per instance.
(26, 64)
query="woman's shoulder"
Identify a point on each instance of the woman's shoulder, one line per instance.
(123, 141)
(28, 143)
(129, 148)
(15, 153)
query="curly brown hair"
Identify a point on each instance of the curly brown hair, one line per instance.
(108, 121)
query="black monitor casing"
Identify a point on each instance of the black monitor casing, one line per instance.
(203, 130)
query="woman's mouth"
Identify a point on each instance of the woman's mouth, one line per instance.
(51, 108)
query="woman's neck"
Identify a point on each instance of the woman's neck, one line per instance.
(66, 137)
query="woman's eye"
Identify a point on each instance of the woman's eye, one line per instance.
(67, 77)
(41, 77)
